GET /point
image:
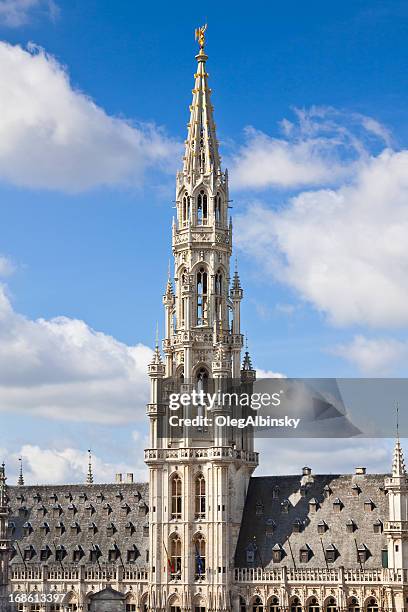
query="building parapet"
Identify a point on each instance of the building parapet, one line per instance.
(54, 573)
(395, 526)
(220, 452)
(338, 576)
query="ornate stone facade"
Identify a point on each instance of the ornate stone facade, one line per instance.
(204, 535)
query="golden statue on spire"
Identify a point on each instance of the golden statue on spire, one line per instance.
(200, 35)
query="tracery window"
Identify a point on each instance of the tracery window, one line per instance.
(217, 208)
(331, 605)
(200, 497)
(372, 605)
(295, 605)
(274, 605)
(353, 606)
(242, 604)
(313, 605)
(218, 295)
(202, 208)
(199, 553)
(257, 606)
(175, 557)
(202, 297)
(185, 215)
(176, 497)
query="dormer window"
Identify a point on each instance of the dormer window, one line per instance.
(327, 491)
(313, 505)
(125, 508)
(82, 496)
(100, 497)
(297, 526)
(137, 495)
(94, 554)
(60, 552)
(90, 509)
(369, 505)
(107, 508)
(45, 553)
(338, 505)
(132, 555)
(56, 510)
(77, 554)
(41, 510)
(75, 527)
(37, 497)
(355, 490)
(259, 508)
(351, 526)
(378, 526)
(119, 495)
(146, 530)
(72, 509)
(22, 511)
(275, 492)
(143, 509)
(305, 554)
(45, 528)
(277, 553)
(68, 496)
(322, 527)
(202, 296)
(250, 554)
(331, 554)
(20, 497)
(362, 553)
(130, 528)
(60, 527)
(110, 529)
(269, 527)
(285, 505)
(28, 553)
(27, 529)
(53, 497)
(92, 528)
(113, 554)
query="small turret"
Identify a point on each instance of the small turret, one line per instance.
(248, 374)
(156, 367)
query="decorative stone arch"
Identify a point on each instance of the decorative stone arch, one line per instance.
(371, 604)
(353, 604)
(330, 604)
(144, 602)
(199, 603)
(256, 604)
(175, 495)
(242, 604)
(295, 604)
(312, 604)
(174, 603)
(273, 604)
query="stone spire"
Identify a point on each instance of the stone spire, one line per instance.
(89, 476)
(398, 463)
(201, 154)
(3, 488)
(20, 481)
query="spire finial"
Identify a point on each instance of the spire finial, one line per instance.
(20, 481)
(3, 486)
(89, 476)
(246, 341)
(157, 336)
(200, 36)
(397, 418)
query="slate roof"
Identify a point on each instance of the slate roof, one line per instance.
(275, 503)
(74, 516)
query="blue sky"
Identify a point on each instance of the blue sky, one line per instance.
(310, 105)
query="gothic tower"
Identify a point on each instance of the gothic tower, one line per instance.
(198, 475)
(397, 526)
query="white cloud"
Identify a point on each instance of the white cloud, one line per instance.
(373, 356)
(317, 149)
(6, 266)
(52, 136)
(16, 13)
(70, 465)
(331, 456)
(63, 369)
(343, 250)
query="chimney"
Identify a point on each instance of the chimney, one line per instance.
(118, 478)
(129, 477)
(360, 471)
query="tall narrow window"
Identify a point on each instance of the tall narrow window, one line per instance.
(185, 216)
(202, 208)
(313, 605)
(257, 606)
(295, 605)
(217, 208)
(331, 605)
(242, 604)
(202, 297)
(175, 557)
(274, 605)
(200, 497)
(218, 295)
(199, 555)
(176, 497)
(372, 605)
(353, 605)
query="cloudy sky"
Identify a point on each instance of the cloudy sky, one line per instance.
(310, 104)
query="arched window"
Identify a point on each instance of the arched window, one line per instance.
(331, 605)
(176, 497)
(295, 605)
(274, 605)
(372, 605)
(202, 208)
(242, 604)
(175, 557)
(200, 497)
(257, 605)
(202, 297)
(313, 605)
(353, 605)
(185, 215)
(199, 555)
(217, 208)
(218, 294)
(202, 379)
